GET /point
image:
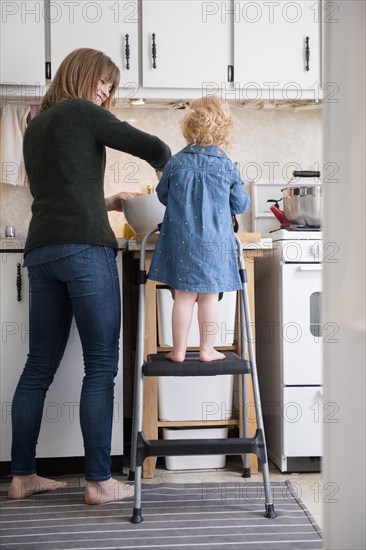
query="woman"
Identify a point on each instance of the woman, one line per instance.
(70, 254)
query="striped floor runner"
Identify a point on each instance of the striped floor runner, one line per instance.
(194, 516)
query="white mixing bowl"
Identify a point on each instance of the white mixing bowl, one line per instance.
(143, 212)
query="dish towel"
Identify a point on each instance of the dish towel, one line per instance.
(13, 126)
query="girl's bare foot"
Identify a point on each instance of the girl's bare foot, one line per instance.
(211, 355)
(24, 486)
(111, 490)
(176, 356)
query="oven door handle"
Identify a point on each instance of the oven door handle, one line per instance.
(310, 267)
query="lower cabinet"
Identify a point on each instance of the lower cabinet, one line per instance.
(60, 434)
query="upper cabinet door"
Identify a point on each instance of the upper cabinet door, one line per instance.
(22, 42)
(110, 26)
(185, 44)
(277, 45)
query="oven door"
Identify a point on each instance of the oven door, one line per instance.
(301, 324)
(303, 421)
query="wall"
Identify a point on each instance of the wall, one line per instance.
(268, 143)
(344, 283)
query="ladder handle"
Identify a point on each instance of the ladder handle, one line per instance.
(139, 359)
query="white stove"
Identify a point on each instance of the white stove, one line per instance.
(298, 246)
(289, 339)
(285, 234)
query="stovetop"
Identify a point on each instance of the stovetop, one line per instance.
(294, 233)
(296, 227)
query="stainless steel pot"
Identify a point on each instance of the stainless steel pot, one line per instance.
(303, 204)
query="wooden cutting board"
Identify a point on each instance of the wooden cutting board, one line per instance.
(249, 237)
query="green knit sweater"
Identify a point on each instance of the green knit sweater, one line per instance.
(64, 155)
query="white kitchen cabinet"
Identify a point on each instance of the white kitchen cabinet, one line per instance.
(60, 434)
(110, 26)
(22, 44)
(14, 322)
(236, 49)
(239, 49)
(270, 44)
(192, 41)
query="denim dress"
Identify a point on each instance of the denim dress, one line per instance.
(196, 250)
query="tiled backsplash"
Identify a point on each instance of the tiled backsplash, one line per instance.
(267, 143)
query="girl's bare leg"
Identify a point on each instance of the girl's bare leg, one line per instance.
(181, 322)
(208, 316)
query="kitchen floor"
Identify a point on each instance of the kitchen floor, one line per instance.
(307, 485)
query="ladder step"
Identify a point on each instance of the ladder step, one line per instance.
(187, 447)
(158, 365)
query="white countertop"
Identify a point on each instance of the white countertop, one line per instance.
(12, 244)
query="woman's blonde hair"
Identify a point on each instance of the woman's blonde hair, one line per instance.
(208, 122)
(78, 77)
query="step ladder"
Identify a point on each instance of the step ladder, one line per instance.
(158, 365)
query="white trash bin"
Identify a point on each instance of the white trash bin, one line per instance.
(195, 397)
(195, 462)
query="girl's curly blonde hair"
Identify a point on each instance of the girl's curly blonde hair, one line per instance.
(208, 122)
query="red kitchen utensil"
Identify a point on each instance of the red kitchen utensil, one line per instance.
(280, 215)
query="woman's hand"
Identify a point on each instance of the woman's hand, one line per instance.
(115, 201)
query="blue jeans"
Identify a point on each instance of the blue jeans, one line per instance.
(85, 285)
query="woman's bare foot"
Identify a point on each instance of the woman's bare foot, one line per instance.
(211, 355)
(176, 356)
(111, 490)
(25, 486)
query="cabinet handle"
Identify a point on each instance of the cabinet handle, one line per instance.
(19, 283)
(306, 174)
(307, 53)
(153, 50)
(48, 70)
(310, 267)
(230, 73)
(127, 52)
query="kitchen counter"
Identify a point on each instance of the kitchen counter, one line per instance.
(15, 245)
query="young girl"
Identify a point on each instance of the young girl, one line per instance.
(196, 250)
